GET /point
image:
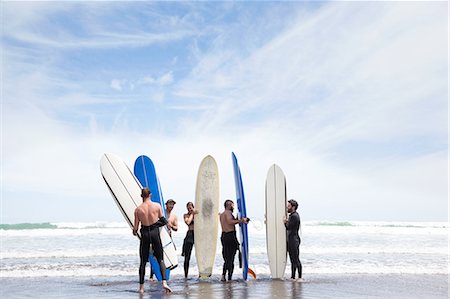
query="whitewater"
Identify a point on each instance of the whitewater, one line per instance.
(109, 249)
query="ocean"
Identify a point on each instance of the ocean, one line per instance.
(110, 249)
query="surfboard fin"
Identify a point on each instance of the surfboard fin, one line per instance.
(252, 273)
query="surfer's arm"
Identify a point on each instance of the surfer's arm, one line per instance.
(174, 224)
(231, 220)
(161, 221)
(160, 212)
(136, 222)
(188, 218)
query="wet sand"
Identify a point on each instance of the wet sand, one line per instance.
(316, 286)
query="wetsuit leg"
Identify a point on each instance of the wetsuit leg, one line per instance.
(187, 250)
(293, 248)
(231, 264)
(151, 268)
(224, 270)
(144, 253)
(158, 251)
(229, 245)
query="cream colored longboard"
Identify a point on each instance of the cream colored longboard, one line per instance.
(275, 229)
(206, 222)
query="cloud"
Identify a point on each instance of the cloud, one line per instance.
(89, 27)
(350, 99)
(323, 82)
(163, 80)
(117, 84)
(166, 79)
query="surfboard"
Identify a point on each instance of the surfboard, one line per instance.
(145, 172)
(242, 212)
(206, 223)
(123, 185)
(276, 239)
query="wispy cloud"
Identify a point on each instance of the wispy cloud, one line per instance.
(342, 86)
(88, 28)
(117, 84)
(350, 99)
(165, 79)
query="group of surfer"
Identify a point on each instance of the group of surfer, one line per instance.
(150, 217)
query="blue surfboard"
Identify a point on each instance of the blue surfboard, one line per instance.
(145, 172)
(242, 212)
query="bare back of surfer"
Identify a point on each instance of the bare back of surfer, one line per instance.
(150, 216)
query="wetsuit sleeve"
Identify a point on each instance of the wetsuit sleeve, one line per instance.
(161, 222)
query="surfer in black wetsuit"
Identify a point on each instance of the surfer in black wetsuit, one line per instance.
(150, 216)
(293, 225)
(188, 242)
(228, 239)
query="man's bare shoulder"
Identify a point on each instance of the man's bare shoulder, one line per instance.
(227, 213)
(224, 214)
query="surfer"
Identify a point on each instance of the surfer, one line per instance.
(171, 218)
(228, 239)
(188, 242)
(150, 216)
(293, 225)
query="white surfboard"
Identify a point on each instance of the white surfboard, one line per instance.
(275, 212)
(206, 223)
(126, 192)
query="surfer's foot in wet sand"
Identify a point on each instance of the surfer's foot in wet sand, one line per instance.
(166, 287)
(141, 289)
(223, 278)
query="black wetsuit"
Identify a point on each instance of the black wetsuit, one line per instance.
(150, 235)
(188, 243)
(292, 227)
(230, 245)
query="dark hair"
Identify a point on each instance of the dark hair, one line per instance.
(145, 192)
(171, 201)
(293, 203)
(189, 203)
(226, 202)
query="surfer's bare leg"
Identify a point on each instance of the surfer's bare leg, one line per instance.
(166, 287)
(150, 279)
(141, 288)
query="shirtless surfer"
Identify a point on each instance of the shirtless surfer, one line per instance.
(171, 217)
(150, 216)
(228, 239)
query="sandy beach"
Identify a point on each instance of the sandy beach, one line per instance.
(316, 286)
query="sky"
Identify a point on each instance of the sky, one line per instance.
(350, 99)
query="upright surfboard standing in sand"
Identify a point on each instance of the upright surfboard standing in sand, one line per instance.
(144, 170)
(206, 223)
(242, 212)
(275, 230)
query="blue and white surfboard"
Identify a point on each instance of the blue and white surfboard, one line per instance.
(242, 212)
